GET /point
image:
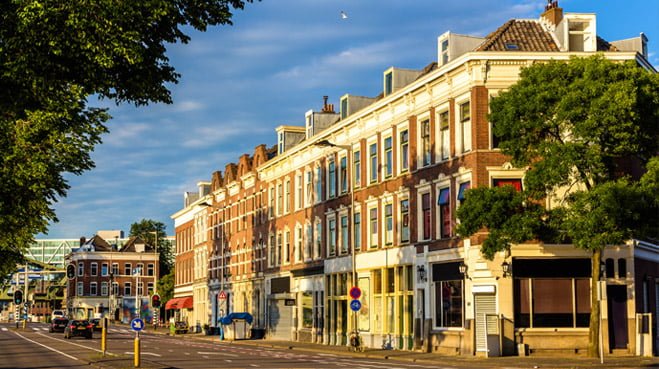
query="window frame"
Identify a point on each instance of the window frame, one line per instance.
(388, 156)
(373, 161)
(403, 150)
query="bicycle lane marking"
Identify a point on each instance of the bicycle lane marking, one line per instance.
(48, 347)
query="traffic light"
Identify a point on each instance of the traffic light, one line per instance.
(155, 301)
(18, 297)
(71, 271)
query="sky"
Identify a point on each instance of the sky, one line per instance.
(275, 63)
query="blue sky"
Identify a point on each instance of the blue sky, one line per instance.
(275, 63)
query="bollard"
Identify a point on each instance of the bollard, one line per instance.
(137, 350)
(104, 337)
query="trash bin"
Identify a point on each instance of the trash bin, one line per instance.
(236, 326)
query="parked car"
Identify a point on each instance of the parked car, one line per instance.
(58, 325)
(97, 323)
(57, 314)
(181, 327)
(82, 328)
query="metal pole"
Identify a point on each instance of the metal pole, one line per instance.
(352, 234)
(25, 297)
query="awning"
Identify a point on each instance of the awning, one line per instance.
(228, 319)
(463, 187)
(179, 303)
(443, 197)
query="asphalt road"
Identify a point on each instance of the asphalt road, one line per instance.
(36, 348)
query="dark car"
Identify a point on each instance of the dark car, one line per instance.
(181, 327)
(97, 323)
(58, 325)
(82, 328)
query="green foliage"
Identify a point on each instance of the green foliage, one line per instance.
(145, 229)
(54, 54)
(166, 287)
(505, 212)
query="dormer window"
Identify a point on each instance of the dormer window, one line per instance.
(444, 52)
(281, 142)
(388, 83)
(309, 125)
(511, 46)
(344, 107)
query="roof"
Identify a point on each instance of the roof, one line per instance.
(130, 245)
(519, 35)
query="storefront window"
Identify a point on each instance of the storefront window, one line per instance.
(307, 309)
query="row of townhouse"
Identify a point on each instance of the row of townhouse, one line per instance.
(367, 196)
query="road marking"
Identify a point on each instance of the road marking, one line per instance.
(35, 328)
(75, 344)
(4, 329)
(216, 353)
(49, 348)
(143, 353)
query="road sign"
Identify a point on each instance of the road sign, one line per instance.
(222, 295)
(355, 305)
(137, 324)
(355, 292)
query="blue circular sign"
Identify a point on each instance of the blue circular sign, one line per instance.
(137, 324)
(355, 305)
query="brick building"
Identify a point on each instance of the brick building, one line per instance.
(384, 177)
(111, 279)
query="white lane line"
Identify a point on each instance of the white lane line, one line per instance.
(35, 328)
(47, 347)
(75, 344)
(143, 353)
(216, 353)
(4, 329)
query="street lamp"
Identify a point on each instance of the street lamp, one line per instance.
(348, 148)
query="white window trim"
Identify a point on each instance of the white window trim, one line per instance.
(440, 185)
(383, 153)
(328, 219)
(459, 149)
(299, 190)
(399, 218)
(398, 152)
(287, 195)
(328, 183)
(369, 169)
(385, 202)
(339, 236)
(419, 141)
(286, 247)
(372, 204)
(298, 243)
(443, 108)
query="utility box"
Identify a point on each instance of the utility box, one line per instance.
(644, 334)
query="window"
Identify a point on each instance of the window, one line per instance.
(373, 224)
(104, 269)
(298, 192)
(140, 289)
(319, 240)
(464, 186)
(308, 242)
(551, 293)
(93, 269)
(345, 234)
(127, 291)
(280, 199)
(425, 143)
(278, 249)
(500, 182)
(444, 138)
(80, 289)
(445, 51)
(373, 161)
(319, 184)
(281, 142)
(405, 221)
(331, 178)
(388, 158)
(465, 126)
(271, 210)
(81, 269)
(444, 203)
(298, 243)
(343, 174)
(115, 269)
(448, 291)
(344, 108)
(331, 236)
(287, 247)
(149, 288)
(358, 231)
(404, 150)
(150, 270)
(115, 288)
(139, 269)
(128, 269)
(622, 268)
(388, 83)
(309, 185)
(425, 216)
(357, 168)
(287, 195)
(104, 288)
(93, 289)
(388, 224)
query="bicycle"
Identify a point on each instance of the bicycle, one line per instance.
(356, 342)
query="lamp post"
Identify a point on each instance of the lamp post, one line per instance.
(348, 148)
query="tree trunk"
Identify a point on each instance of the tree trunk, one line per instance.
(594, 328)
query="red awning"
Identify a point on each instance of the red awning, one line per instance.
(179, 303)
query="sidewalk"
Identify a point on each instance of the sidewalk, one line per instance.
(531, 362)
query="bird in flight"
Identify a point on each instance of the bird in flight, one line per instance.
(344, 15)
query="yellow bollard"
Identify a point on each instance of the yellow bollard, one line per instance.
(137, 350)
(104, 338)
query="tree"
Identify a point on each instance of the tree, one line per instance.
(145, 229)
(586, 129)
(54, 55)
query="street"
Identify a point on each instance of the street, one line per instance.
(36, 348)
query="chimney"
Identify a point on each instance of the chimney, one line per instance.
(327, 108)
(553, 14)
(82, 240)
